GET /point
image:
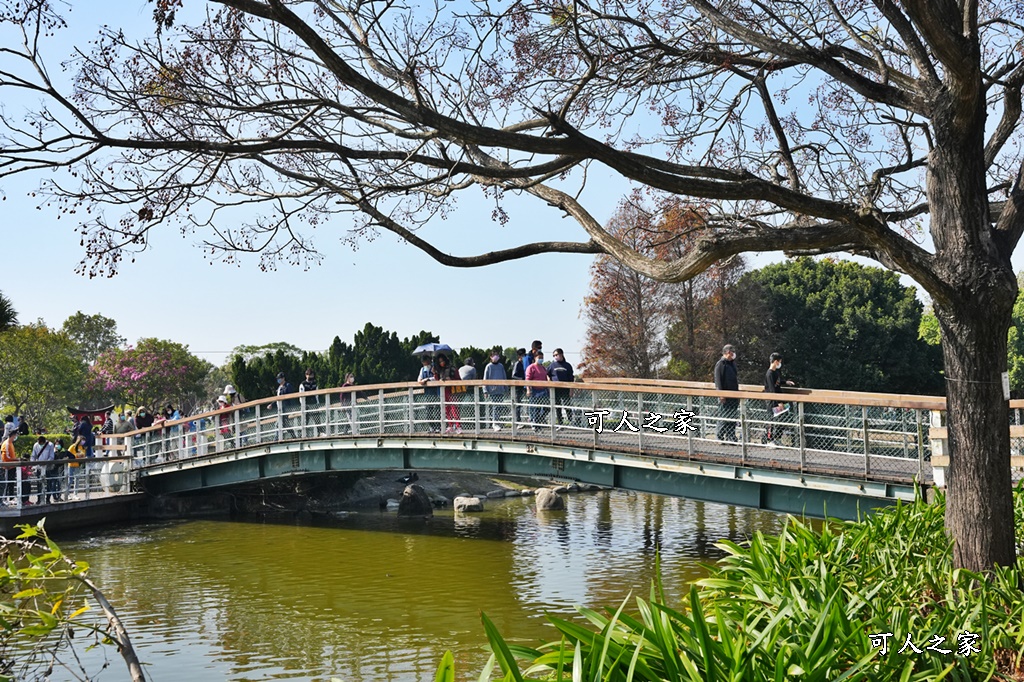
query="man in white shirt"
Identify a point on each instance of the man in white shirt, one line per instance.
(42, 452)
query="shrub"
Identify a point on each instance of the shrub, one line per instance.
(23, 446)
(806, 605)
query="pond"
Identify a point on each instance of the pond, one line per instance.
(370, 597)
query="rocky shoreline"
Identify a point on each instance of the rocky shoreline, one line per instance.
(422, 492)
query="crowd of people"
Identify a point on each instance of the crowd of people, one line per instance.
(47, 467)
(51, 470)
(528, 366)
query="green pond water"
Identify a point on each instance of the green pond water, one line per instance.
(375, 598)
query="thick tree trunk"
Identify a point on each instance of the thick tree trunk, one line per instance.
(979, 504)
(974, 311)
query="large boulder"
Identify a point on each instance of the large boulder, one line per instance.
(549, 500)
(415, 502)
(468, 504)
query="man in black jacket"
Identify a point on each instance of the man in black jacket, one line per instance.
(727, 379)
(773, 384)
(560, 370)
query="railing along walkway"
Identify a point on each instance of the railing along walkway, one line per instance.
(857, 436)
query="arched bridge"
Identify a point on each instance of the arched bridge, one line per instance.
(828, 452)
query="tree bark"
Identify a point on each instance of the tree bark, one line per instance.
(979, 503)
(974, 308)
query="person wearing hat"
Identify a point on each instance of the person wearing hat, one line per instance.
(468, 370)
(727, 379)
(284, 387)
(224, 420)
(233, 397)
(468, 373)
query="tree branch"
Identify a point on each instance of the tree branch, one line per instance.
(932, 18)
(876, 92)
(1010, 225)
(1011, 115)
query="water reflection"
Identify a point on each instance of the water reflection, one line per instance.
(372, 597)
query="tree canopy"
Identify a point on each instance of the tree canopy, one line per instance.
(839, 325)
(375, 356)
(152, 373)
(93, 334)
(808, 127)
(42, 373)
(8, 315)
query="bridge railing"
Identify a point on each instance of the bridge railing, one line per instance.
(24, 485)
(854, 435)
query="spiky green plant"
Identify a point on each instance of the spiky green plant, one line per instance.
(803, 605)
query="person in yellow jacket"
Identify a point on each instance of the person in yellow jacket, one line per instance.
(7, 454)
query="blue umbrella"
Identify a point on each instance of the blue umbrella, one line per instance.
(432, 349)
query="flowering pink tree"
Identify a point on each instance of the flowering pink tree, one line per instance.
(154, 372)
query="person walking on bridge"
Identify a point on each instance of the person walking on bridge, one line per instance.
(445, 372)
(773, 384)
(429, 396)
(311, 405)
(286, 407)
(519, 374)
(539, 397)
(561, 371)
(495, 371)
(123, 425)
(86, 437)
(727, 379)
(347, 399)
(43, 453)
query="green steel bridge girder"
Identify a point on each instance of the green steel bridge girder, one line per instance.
(749, 486)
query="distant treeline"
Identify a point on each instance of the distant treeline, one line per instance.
(375, 356)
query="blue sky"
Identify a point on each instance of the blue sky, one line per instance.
(173, 291)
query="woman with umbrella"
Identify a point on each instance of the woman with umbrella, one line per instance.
(431, 394)
(443, 371)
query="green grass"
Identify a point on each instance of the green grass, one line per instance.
(800, 606)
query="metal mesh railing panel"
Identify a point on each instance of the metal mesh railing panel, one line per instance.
(856, 441)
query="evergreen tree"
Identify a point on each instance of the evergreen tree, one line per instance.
(839, 325)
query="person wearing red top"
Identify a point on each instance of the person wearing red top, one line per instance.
(538, 396)
(445, 372)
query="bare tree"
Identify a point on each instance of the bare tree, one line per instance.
(627, 313)
(809, 126)
(707, 313)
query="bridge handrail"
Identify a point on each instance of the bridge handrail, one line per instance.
(666, 387)
(811, 394)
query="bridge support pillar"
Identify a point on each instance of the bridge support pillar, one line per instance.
(940, 448)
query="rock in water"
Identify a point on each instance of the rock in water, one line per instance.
(468, 504)
(549, 500)
(415, 502)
